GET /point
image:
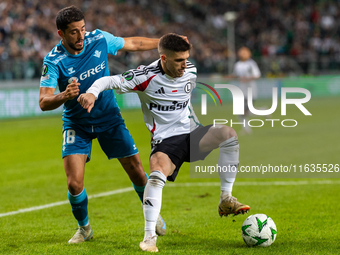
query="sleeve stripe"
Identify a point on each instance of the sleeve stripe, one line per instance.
(190, 67)
(146, 71)
(154, 127)
(146, 68)
(143, 85)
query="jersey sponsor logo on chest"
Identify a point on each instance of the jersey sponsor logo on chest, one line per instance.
(92, 71)
(89, 72)
(166, 108)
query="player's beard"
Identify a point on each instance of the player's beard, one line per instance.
(180, 72)
(74, 47)
(177, 72)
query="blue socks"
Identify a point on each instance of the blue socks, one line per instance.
(79, 207)
(140, 190)
(79, 203)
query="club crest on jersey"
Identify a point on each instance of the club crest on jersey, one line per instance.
(44, 70)
(128, 75)
(188, 87)
(97, 53)
(71, 79)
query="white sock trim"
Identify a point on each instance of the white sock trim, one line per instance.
(152, 202)
(229, 142)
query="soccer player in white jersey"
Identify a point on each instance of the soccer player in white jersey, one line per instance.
(164, 88)
(247, 71)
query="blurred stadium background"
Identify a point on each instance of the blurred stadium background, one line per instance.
(295, 44)
(288, 39)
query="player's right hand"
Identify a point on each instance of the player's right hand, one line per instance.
(72, 90)
(87, 100)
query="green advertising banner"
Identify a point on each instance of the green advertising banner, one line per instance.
(16, 103)
(21, 102)
(318, 86)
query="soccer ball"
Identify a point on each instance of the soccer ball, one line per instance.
(259, 230)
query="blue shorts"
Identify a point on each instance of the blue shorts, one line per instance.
(114, 139)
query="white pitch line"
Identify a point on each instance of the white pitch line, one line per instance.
(188, 184)
(40, 207)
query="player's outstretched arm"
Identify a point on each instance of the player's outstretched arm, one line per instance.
(142, 43)
(88, 99)
(49, 101)
(139, 44)
(123, 83)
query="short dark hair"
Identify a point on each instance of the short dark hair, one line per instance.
(68, 15)
(172, 42)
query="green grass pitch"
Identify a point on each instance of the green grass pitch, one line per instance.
(306, 213)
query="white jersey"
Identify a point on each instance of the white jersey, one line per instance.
(165, 100)
(247, 69)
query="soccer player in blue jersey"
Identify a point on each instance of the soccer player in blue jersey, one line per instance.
(73, 65)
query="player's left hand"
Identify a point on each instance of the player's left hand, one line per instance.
(87, 101)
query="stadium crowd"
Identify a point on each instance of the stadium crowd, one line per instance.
(276, 31)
